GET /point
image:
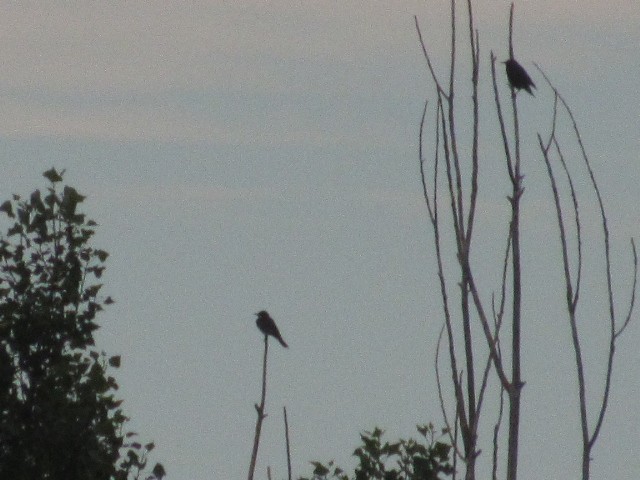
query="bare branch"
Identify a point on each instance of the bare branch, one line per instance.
(286, 437)
(426, 56)
(441, 398)
(503, 130)
(568, 289)
(260, 411)
(491, 342)
(423, 176)
(433, 214)
(475, 60)
(572, 299)
(633, 290)
(496, 431)
(497, 320)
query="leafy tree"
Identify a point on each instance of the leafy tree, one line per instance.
(59, 417)
(401, 460)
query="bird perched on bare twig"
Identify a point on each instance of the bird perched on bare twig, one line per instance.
(267, 326)
(518, 76)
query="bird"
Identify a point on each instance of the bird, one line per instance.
(267, 326)
(518, 76)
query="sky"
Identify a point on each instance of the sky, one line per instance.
(241, 156)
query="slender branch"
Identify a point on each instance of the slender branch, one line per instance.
(516, 380)
(498, 316)
(441, 397)
(569, 296)
(286, 436)
(452, 133)
(475, 67)
(503, 129)
(491, 342)
(496, 432)
(461, 413)
(572, 299)
(455, 457)
(426, 56)
(633, 290)
(423, 176)
(448, 158)
(433, 216)
(260, 411)
(455, 190)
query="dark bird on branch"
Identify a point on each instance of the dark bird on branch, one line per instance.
(267, 326)
(518, 76)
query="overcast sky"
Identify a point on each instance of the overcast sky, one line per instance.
(252, 155)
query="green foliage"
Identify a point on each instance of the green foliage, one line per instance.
(59, 417)
(401, 460)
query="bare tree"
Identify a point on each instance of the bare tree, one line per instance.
(471, 359)
(462, 201)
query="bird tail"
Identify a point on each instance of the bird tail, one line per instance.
(282, 342)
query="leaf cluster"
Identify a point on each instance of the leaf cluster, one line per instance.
(59, 416)
(423, 459)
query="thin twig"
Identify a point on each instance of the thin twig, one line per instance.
(475, 67)
(633, 290)
(286, 436)
(503, 129)
(426, 56)
(441, 397)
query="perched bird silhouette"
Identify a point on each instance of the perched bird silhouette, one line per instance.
(518, 76)
(267, 326)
